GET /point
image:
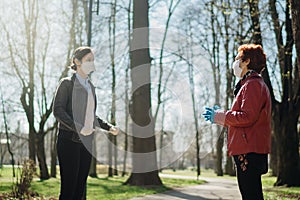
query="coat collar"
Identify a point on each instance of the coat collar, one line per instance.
(250, 75)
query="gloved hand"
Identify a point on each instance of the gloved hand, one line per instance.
(209, 113)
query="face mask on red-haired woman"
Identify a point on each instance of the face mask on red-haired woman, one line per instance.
(237, 71)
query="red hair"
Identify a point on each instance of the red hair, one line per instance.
(256, 54)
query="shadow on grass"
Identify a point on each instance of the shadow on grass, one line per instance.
(117, 186)
(182, 195)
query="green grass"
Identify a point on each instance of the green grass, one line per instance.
(102, 187)
(113, 188)
(278, 193)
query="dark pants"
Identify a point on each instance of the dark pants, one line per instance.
(74, 161)
(249, 181)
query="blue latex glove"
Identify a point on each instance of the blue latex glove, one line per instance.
(209, 114)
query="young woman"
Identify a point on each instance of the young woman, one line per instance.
(74, 108)
(248, 121)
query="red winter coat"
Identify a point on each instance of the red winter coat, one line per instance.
(249, 120)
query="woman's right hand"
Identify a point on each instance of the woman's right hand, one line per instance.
(114, 130)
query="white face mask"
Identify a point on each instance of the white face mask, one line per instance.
(88, 67)
(237, 71)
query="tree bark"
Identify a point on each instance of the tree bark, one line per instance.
(112, 146)
(93, 167)
(40, 142)
(215, 64)
(288, 148)
(254, 14)
(126, 91)
(287, 111)
(144, 159)
(7, 137)
(295, 11)
(284, 113)
(53, 151)
(229, 169)
(257, 39)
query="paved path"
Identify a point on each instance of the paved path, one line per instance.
(214, 189)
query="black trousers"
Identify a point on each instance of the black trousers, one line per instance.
(249, 180)
(74, 161)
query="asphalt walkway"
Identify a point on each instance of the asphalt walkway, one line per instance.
(214, 189)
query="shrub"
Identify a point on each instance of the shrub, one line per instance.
(22, 186)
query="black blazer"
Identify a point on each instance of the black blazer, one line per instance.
(69, 107)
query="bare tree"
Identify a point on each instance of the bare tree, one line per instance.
(171, 9)
(162, 86)
(295, 7)
(53, 151)
(225, 34)
(215, 64)
(36, 97)
(7, 134)
(144, 167)
(286, 113)
(127, 89)
(36, 137)
(112, 47)
(72, 44)
(190, 54)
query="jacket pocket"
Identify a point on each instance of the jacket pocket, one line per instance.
(244, 136)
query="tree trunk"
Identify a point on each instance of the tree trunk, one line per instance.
(273, 155)
(161, 140)
(257, 39)
(192, 89)
(219, 159)
(88, 11)
(229, 167)
(115, 156)
(112, 146)
(198, 153)
(126, 92)
(93, 167)
(44, 174)
(254, 14)
(295, 7)
(7, 137)
(286, 113)
(110, 157)
(125, 149)
(288, 149)
(53, 152)
(144, 161)
(215, 64)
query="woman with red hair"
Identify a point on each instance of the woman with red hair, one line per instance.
(248, 121)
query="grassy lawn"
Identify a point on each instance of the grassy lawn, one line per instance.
(278, 193)
(102, 187)
(113, 188)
